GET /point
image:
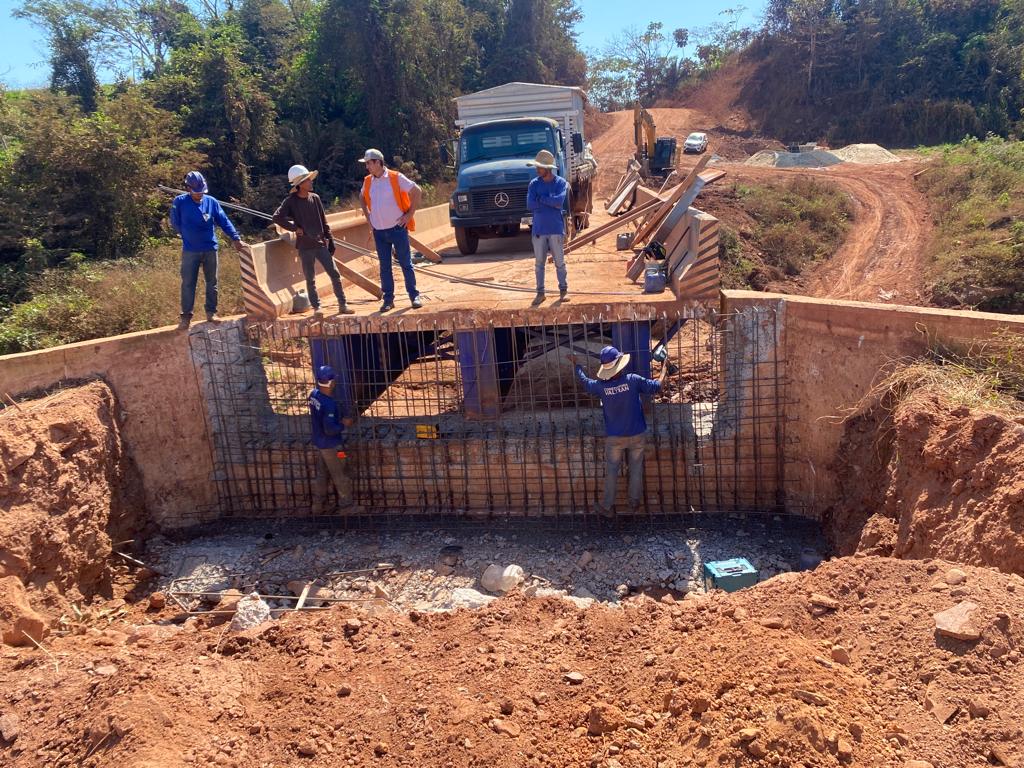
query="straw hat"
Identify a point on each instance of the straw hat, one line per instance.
(544, 159)
(612, 363)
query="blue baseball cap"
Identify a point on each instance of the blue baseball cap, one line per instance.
(196, 182)
(612, 362)
(325, 374)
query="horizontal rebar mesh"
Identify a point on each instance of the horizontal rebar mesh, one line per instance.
(491, 421)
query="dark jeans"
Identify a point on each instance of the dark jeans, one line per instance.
(398, 238)
(309, 257)
(190, 263)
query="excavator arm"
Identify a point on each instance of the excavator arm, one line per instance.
(643, 132)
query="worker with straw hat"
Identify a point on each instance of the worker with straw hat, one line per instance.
(545, 197)
(302, 212)
(624, 422)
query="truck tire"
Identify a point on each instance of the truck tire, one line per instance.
(467, 240)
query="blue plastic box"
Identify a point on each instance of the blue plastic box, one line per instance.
(730, 575)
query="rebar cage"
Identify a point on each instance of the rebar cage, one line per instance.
(490, 420)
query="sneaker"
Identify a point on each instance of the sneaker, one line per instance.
(417, 303)
(343, 309)
(538, 299)
(317, 312)
(562, 293)
(184, 322)
(211, 317)
(387, 305)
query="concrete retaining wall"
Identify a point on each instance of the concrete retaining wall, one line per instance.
(834, 351)
(164, 416)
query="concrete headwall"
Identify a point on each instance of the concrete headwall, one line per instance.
(834, 351)
(164, 421)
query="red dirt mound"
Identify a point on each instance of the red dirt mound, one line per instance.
(842, 666)
(935, 480)
(66, 487)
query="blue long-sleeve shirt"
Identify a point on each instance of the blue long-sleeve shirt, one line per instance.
(195, 223)
(620, 400)
(545, 200)
(325, 414)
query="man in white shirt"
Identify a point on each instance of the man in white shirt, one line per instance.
(390, 200)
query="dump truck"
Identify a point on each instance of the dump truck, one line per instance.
(501, 130)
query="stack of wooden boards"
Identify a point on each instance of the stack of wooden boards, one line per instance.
(688, 236)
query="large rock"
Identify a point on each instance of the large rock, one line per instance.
(251, 612)
(958, 622)
(464, 597)
(18, 620)
(498, 579)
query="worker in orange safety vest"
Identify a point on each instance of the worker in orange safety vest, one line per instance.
(390, 200)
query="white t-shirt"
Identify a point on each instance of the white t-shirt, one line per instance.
(384, 210)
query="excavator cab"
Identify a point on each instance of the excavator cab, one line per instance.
(656, 156)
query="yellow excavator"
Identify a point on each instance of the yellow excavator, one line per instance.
(656, 156)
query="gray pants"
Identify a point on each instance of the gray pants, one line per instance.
(614, 447)
(542, 246)
(308, 258)
(334, 468)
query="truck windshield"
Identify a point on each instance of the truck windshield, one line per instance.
(505, 141)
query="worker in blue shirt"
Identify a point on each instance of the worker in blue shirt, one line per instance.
(545, 197)
(624, 422)
(194, 216)
(328, 427)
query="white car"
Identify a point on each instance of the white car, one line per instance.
(695, 143)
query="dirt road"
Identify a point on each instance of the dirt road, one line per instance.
(882, 258)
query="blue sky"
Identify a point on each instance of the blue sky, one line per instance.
(23, 55)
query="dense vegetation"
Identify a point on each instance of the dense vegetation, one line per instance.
(898, 72)
(978, 259)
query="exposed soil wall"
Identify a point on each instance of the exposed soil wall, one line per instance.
(932, 479)
(68, 490)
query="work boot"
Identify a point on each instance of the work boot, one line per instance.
(184, 321)
(562, 292)
(417, 303)
(538, 299)
(343, 309)
(387, 305)
(318, 313)
(211, 317)
(603, 511)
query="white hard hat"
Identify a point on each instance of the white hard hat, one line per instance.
(299, 173)
(372, 154)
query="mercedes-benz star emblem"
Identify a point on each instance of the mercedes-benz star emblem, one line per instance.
(501, 199)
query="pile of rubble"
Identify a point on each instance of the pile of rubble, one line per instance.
(432, 570)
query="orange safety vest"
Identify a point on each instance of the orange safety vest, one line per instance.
(401, 197)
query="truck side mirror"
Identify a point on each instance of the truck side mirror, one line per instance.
(577, 142)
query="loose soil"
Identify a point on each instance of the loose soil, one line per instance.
(68, 490)
(841, 666)
(933, 479)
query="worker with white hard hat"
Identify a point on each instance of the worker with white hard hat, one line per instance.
(302, 212)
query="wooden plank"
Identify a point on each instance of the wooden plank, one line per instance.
(425, 249)
(361, 280)
(593, 234)
(302, 597)
(652, 224)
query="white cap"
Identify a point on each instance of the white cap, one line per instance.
(372, 154)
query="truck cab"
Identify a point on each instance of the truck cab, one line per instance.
(493, 176)
(502, 130)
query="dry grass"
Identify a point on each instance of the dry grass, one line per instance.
(986, 374)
